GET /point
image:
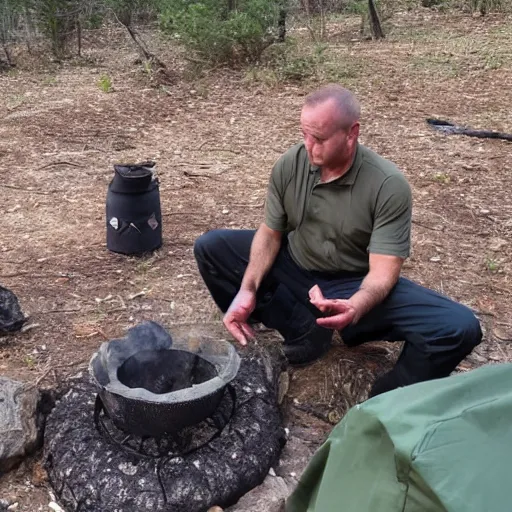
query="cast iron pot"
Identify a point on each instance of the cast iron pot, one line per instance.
(152, 385)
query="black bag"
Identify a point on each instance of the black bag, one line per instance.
(11, 316)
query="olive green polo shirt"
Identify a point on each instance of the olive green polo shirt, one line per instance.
(332, 227)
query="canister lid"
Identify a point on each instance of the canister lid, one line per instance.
(140, 170)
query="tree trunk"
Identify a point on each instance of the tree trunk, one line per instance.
(281, 25)
(79, 36)
(147, 55)
(7, 54)
(375, 25)
(29, 29)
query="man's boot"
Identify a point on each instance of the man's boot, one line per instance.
(309, 347)
(304, 340)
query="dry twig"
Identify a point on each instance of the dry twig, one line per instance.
(51, 164)
(427, 227)
(313, 412)
(59, 311)
(40, 192)
(199, 175)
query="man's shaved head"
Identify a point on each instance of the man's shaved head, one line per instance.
(346, 105)
(330, 126)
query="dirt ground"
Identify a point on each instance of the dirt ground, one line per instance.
(214, 139)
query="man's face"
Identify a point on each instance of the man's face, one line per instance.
(329, 143)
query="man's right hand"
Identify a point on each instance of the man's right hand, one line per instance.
(237, 315)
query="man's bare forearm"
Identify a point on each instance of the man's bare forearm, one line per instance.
(370, 293)
(377, 285)
(264, 249)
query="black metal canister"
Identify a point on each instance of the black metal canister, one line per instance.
(134, 216)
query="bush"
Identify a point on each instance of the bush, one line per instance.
(286, 62)
(356, 7)
(483, 6)
(105, 83)
(9, 22)
(219, 34)
(57, 20)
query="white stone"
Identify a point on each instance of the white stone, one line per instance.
(128, 468)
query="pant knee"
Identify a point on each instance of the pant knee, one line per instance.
(205, 244)
(469, 330)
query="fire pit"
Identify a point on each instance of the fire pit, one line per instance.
(151, 385)
(107, 447)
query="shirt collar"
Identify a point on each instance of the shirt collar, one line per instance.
(350, 176)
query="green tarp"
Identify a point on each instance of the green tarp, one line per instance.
(442, 445)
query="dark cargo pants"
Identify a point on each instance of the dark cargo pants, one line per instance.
(437, 331)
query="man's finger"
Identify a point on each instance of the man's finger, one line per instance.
(334, 322)
(248, 331)
(235, 330)
(323, 308)
(331, 305)
(321, 303)
(315, 293)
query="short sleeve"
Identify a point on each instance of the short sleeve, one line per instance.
(391, 232)
(275, 214)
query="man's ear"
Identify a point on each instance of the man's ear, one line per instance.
(354, 131)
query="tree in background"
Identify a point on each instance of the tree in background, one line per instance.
(375, 26)
(9, 24)
(125, 12)
(57, 20)
(215, 32)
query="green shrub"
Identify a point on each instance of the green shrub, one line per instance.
(485, 6)
(105, 83)
(286, 62)
(357, 7)
(219, 34)
(9, 23)
(94, 20)
(57, 20)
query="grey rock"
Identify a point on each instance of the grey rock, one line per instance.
(294, 459)
(20, 431)
(269, 496)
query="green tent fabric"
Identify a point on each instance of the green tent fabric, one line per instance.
(442, 445)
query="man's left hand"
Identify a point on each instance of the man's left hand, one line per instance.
(340, 312)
